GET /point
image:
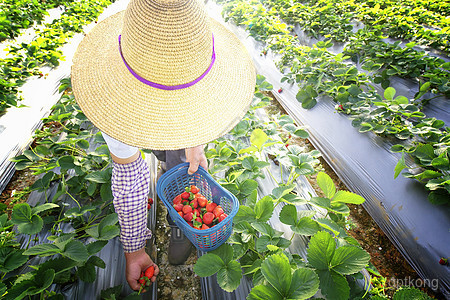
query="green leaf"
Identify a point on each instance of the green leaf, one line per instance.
(347, 197)
(263, 292)
(109, 220)
(43, 207)
(258, 138)
(277, 271)
(83, 144)
(321, 250)
(99, 176)
(326, 184)
(349, 260)
(333, 285)
(11, 259)
(25, 221)
(409, 293)
(229, 277)
(87, 273)
(108, 232)
(42, 250)
(66, 162)
(288, 215)
(262, 242)
(282, 190)
(60, 265)
(91, 188)
(400, 166)
(21, 213)
(247, 187)
(304, 285)
(208, 265)
(438, 197)
(42, 280)
(309, 103)
(225, 252)
(331, 225)
(95, 247)
(306, 226)
(264, 228)
(389, 93)
(264, 209)
(245, 213)
(111, 293)
(76, 250)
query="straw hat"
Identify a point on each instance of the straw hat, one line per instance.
(178, 79)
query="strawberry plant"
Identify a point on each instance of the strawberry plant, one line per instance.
(320, 73)
(21, 14)
(78, 172)
(255, 248)
(25, 59)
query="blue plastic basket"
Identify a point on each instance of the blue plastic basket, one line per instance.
(173, 183)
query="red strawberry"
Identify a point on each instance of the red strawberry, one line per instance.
(340, 107)
(180, 213)
(280, 90)
(185, 195)
(178, 207)
(194, 189)
(149, 272)
(149, 206)
(187, 209)
(204, 226)
(210, 206)
(194, 203)
(202, 201)
(188, 217)
(150, 201)
(218, 211)
(208, 218)
(177, 199)
(196, 212)
(443, 261)
(142, 281)
(222, 217)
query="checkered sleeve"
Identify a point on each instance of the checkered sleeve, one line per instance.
(130, 187)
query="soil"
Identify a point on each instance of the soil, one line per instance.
(180, 282)
(174, 282)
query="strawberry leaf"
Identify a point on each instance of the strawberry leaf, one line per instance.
(229, 277)
(208, 265)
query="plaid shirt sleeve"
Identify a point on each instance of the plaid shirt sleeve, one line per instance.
(130, 187)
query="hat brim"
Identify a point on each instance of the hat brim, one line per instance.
(139, 115)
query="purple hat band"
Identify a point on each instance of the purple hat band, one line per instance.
(168, 87)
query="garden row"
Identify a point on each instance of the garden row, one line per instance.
(335, 19)
(16, 15)
(24, 60)
(80, 171)
(319, 72)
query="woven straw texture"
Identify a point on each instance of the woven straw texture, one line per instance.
(170, 43)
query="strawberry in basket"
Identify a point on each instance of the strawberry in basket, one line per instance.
(197, 210)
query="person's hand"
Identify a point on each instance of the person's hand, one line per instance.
(195, 156)
(138, 262)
